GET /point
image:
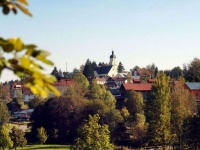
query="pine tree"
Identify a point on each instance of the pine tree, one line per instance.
(120, 68)
(88, 70)
(159, 112)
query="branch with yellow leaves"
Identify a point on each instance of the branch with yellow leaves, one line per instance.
(26, 60)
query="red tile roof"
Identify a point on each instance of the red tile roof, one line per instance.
(138, 87)
(151, 80)
(63, 82)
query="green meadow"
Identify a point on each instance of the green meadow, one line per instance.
(45, 147)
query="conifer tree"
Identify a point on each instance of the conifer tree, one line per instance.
(120, 68)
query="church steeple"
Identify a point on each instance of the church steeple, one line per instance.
(112, 59)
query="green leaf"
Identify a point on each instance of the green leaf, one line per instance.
(8, 47)
(18, 44)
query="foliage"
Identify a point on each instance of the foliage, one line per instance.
(96, 91)
(4, 114)
(88, 70)
(120, 68)
(42, 135)
(14, 5)
(129, 77)
(17, 136)
(134, 103)
(158, 113)
(176, 72)
(60, 116)
(33, 103)
(5, 93)
(5, 140)
(191, 133)
(20, 100)
(183, 105)
(192, 71)
(92, 135)
(81, 83)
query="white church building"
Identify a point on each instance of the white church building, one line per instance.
(109, 70)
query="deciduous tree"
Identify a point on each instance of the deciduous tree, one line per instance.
(41, 135)
(92, 135)
(5, 140)
(18, 137)
(4, 114)
(159, 115)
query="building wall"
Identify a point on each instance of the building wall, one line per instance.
(113, 71)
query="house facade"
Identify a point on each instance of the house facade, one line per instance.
(144, 88)
(194, 89)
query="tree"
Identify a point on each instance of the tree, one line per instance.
(55, 72)
(183, 105)
(5, 93)
(20, 100)
(191, 132)
(129, 77)
(120, 68)
(42, 135)
(176, 72)
(18, 137)
(5, 140)
(92, 135)
(134, 104)
(192, 71)
(27, 58)
(88, 71)
(33, 103)
(158, 114)
(4, 114)
(81, 83)
(60, 116)
(96, 91)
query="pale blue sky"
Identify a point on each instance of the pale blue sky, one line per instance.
(141, 32)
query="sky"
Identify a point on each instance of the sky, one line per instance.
(140, 32)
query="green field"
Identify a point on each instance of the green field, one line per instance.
(45, 147)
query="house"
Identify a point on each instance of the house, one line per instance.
(144, 88)
(24, 114)
(194, 89)
(27, 94)
(101, 80)
(118, 80)
(107, 70)
(15, 89)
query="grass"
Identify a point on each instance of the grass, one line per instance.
(45, 147)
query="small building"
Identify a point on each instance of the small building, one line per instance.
(194, 89)
(27, 94)
(24, 114)
(101, 80)
(144, 88)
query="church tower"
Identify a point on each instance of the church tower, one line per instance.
(112, 59)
